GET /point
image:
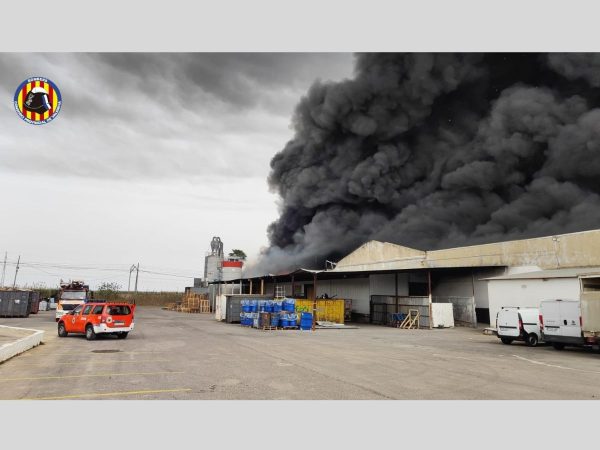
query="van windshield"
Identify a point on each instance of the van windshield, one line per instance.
(69, 306)
(73, 295)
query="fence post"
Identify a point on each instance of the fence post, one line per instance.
(429, 290)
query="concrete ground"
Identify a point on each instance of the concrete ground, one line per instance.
(174, 355)
(11, 334)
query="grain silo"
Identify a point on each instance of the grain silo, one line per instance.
(213, 260)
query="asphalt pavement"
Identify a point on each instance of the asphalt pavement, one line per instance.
(172, 355)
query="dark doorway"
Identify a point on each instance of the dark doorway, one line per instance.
(418, 289)
(483, 315)
(309, 290)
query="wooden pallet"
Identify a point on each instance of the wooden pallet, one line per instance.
(268, 328)
(191, 303)
(411, 321)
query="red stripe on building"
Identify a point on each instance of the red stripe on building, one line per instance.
(232, 263)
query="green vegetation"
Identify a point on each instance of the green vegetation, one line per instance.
(237, 253)
(107, 291)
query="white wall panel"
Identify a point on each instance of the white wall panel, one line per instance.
(529, 292)
(355, 289)
(385, 284)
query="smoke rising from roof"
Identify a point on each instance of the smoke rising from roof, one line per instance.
(439, 150)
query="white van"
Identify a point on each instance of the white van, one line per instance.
(561, 322)
(515, 323)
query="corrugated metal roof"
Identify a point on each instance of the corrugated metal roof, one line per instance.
(581, 249)
(573, 272)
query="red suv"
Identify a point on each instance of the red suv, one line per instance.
(98, 318)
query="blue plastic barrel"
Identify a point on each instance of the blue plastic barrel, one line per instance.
(305, 321)
(277, 306)
(274, 320)
(289, 304)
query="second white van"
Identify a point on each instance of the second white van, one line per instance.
(561, 323)
(515, 323)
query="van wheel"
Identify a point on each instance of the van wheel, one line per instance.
(531, 340)
(506, 341)
(62, 332)
(558, 346)
(89, 333)
(122, 335)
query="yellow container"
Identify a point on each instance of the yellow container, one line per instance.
(330, 310)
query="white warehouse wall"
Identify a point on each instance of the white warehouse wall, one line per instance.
(385, 284)
(529, 292)
(462, 285)
(355, 289)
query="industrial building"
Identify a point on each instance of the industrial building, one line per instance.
(381, 278)
(530, 288)
(217, 268)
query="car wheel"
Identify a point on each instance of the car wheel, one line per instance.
(90, 335)
(122, 335)
(558, 346)
(506, 341)
(531, 340)
(62, 331)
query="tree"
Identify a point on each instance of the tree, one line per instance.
(108, 291)
(237, 253)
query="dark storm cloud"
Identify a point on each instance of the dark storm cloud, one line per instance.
(432, 151)
(159, 115)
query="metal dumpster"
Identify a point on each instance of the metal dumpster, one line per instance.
(34, 302)
(14, 303)
(330, 310)
(233, 306)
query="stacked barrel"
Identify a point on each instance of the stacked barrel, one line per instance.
(269, 314)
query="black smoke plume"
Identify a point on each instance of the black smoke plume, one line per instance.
(439, 150)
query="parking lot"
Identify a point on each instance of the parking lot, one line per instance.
(172, 355)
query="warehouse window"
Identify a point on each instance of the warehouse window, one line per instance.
(590, 284)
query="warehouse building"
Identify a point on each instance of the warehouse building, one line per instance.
(381, 278)
(530, 288)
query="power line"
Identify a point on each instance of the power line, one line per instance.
(107, 269)
(167, 274)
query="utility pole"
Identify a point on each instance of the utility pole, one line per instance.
(131, 269)
(3, 269)
(16, 272)
(137, 273)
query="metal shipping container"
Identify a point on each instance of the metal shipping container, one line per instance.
(330, 310)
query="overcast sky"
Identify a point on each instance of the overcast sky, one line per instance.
(150, 157)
